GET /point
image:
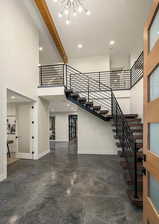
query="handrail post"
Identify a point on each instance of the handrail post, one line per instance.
(70, 81)
(130, 78)
(66, 75)
(41, 78)
(123, 137)
(63, 71)
(88, 88)
(112, 104)
(99, 80)
(135, 172)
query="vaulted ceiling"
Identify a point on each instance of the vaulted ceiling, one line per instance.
(119, 20)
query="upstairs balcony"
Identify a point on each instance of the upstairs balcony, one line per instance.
(63, 75)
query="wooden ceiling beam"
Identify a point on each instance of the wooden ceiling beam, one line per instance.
(46, 15)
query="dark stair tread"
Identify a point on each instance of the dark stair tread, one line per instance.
(133, 120)
(130, 115)
(131, 125)
(96, 108)
(136, 137)
(68, 90)
(103, 112)
(129, 181)
(124, 165)
(138, 202)
(138, 145)
(135, 125)
(75, 95)
(133, 130)
(82, 99)
(90, 104)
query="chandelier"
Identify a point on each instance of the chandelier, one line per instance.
(71, 8)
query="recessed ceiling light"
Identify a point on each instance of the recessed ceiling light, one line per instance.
(88, 13)
(40, 48)
(74, 13)
(67, 21)
(80, 46)
(112, 42)
(13, 97)
(60, 15)
(80, 9)
(66, 11)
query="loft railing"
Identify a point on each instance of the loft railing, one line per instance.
(137, 70)
(127, 142)
(117, 80)
(57, 75)
(51, 75)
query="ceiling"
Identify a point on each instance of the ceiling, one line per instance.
(13, 97)
(60, 104)
(118, 20)
(49, 54)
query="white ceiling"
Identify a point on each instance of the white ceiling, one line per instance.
(13, 97)
(60, 104)
(119, 20)
(50, 54)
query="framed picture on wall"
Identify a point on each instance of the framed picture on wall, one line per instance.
(11, 125)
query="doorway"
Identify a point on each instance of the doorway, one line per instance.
(73, 133)
(20, 127)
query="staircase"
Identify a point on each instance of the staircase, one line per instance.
(93, 92)
(99, 99)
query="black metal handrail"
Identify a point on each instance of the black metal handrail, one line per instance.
(100, 94)
(117, 80)
(51, 75)
(60, 75)
(87, 87)
(127, 142)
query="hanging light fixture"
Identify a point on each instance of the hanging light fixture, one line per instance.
(71, 8)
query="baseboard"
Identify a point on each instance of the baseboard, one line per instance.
(59, 141)
(24, 155)
(42, 154)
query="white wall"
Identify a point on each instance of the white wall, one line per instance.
(136, 99)
(91, 64)
(19, 57)
(43, 127)
(118, 61)
(61, 127)
(24, 130)
(94, 135)
(123, 98)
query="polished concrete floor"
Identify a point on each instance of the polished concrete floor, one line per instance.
(64, 188)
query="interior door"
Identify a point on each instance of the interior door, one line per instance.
(151, 116)
(24, 128)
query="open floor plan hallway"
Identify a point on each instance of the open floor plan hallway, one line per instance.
(64, 188)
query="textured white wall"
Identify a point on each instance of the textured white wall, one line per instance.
(19, 57)
(91, 64)
(43, 127)
(94, 135)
